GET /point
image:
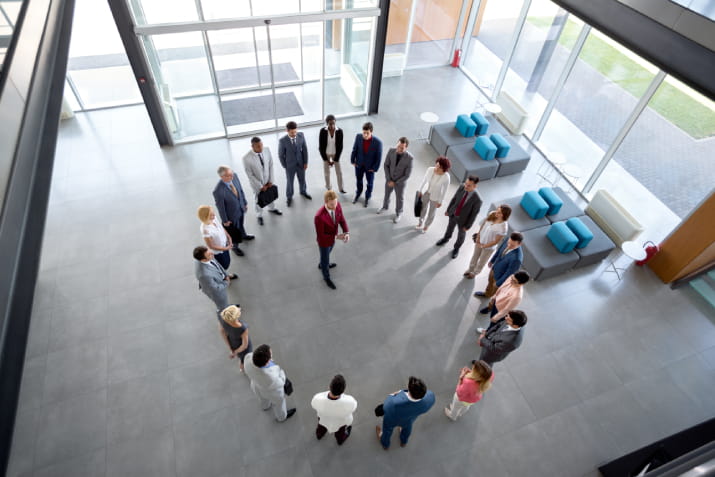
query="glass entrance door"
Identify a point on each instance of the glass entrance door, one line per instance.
(268, 75)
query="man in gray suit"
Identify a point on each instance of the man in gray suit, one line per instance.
(398, 167)
(213, 279)
(268, 381)
(462, 211)
(503, 338)
(258, 163)
(293, 154)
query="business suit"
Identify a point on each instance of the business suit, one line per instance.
(259, 174)
(267, 383)
(465, 219)
(231, 208)
(322, 149)
(212, 281)
(325, 231)
(365, 164)
(402, 412)
(397, 172)
(294, 159)
(503, 266)
(499, 341)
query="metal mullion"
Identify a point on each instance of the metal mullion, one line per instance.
(411, 25)
(73, 87)
(512, 47)
(625, 129)
(214, 81)
(460, 24)
(368, 77)
(322, 68)
(270, 63)
(565, 73)
(300, 45)
(471, 22)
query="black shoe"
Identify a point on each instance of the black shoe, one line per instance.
(479, 294)
(249, 237)
(289, 202)
(233, 276)
(455, 252)
(441, 242)
(290, 413)
(330, 283)
(356, 199)
(260, 220)
(342, 191)
(276, 211)
(238, 252)
(332, 265)
(366, 201)
(307, 196)
(484, 310)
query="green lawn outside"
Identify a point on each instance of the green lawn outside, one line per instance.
(676, 106)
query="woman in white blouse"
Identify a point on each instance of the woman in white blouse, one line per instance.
(215, 236)
(437, 181)
(492, 230)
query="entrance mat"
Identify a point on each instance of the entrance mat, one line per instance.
(260, 108)
(247, 77)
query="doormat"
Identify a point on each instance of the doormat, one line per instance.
(247, 77)
(260, 108)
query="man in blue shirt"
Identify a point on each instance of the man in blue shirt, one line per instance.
(505, 262)
(401, 410)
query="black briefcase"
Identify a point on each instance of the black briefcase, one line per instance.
(267, 196)
(418, 204)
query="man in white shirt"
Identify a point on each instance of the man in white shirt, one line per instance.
(258, 163)
(335, 411)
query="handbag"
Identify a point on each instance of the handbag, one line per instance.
(267, 196)
(379, 410)
(288, 387)
(418, 204)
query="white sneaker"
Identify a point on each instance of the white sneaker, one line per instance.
(481, 330)
(397, 218)
(381, 210)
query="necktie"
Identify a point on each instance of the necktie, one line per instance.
(233, 189)
(292, 140)
(218, 267)
(461, 204)
(332, 215)
(260, 158)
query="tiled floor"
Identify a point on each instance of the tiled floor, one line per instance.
(126, 373)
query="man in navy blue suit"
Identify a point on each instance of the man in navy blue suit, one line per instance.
(231, 204)
(504, 263)
(366, 156)
(402, 408)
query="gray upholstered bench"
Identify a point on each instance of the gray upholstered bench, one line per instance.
(520, 220)
(541, 259)
(466, 162)
(598, 248)
(515, 161)
(443, 135)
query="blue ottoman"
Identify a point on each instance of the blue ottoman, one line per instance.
(515, 162)
(466, 162)
(481, 122)
(598, 249)
(561, 236)
(534, 205)
(502, 145)
(541, 259)
(485, 148)
(580, 230)
(465, 126)
(551, 198)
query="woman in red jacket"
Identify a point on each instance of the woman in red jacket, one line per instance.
(472, 385)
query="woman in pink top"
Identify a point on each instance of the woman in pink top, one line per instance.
(472, 384)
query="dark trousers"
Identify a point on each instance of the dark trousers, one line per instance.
(405, 431)
(491, 315)
(224, 258)
(341, 435)
(325, 261)
(461, 233)
(360, 171)
(290, 178)
(236, 231)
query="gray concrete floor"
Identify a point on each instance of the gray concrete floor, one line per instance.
(126, 374)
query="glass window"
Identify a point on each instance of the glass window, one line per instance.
(600, 93)
(666, 160)
(98, 66)
(274, 7)
(540, 56)
(350, 4)
(151, 12)
(220, 9)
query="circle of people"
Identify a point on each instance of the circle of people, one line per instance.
(492, 247)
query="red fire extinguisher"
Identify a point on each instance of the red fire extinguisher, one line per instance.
(650, 250)
(457, 58)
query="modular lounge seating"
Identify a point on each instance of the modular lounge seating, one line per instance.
(443, 135)
(487, 157)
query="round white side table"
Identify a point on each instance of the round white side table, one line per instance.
(429, 118)
(630, 249)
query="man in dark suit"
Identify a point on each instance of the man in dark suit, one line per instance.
(366, 156)
(231, 204)
(505, 262)
(462, 211)
(330, 146)
(402, 408)
(503, 338)
(398, 167)
(327, 220)
(293, 154)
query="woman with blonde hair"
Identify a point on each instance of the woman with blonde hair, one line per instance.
(234, 333)
(215, 236)
(492, 230)
(472, 385)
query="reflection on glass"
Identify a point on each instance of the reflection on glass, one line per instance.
(493, 30)
(236, 59)
(667, 155)
(542, 51)
(183, 82)
(150, 12)
(98, 65)
(602, 89)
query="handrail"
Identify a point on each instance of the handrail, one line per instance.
(692, 276)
